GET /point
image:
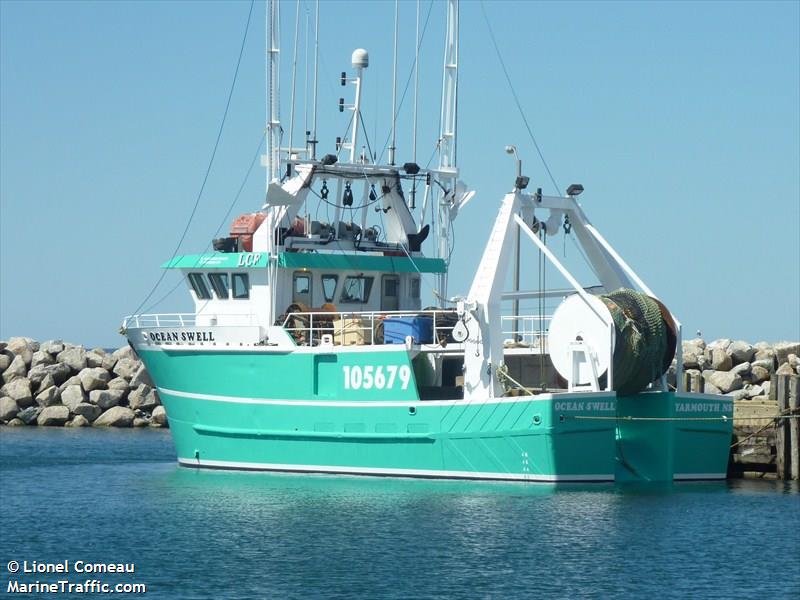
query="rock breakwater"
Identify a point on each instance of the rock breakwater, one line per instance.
(736, 368)
(55, 383)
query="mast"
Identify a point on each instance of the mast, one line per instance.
(448, 171)
(273, 43)
(294, 80)
(313, 140)
(393, 146)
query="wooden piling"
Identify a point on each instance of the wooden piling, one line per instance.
(794, 426)
(780, 383)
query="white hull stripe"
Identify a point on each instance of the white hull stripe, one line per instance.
(371, 403)
(423, 473)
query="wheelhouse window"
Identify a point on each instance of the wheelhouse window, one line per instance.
(356, 290)
(329, 287)
(415, 287)
(241, 286)
(198, 283)
(219, 281)
(302, 288)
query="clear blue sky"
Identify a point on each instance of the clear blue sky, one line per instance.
(681, 120)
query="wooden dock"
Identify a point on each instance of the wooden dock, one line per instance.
(766, 434)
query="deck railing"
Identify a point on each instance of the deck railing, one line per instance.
(526, 330)
(160, 320)
(362, 327)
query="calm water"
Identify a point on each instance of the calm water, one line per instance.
(117, 496)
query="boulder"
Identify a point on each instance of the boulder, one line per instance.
(59, 371)
(690, 360)
(140, 422)
(758, 374)
(109, 362)
(47, 382)
(753, 390)
(52, 347)
(72, 396)
(764, 352)
(725, 381)
(19, 390)
(88, 411)
(8, 408)
(74, 357)
(78, 421)
(16, 422)
(103, 399)
(42, 358)
(784, 369)
(5, 359)
(126, 368)
(141, 377)
(94, 378)
(738, 395)
(782, 350)
(116, 416)
(124, 352)
(53, 415)
(768, 364)
(118, 395)
(719, 359)
(16, 369)
(159, 416)
(50, 397)
(93, 359)
(742, 369)
(741, 351)
(721, 343)
(144, 398)
(22, 347)
(118, 382)
(793, 361)
(766, 386)
(28, 416)
(74, 380)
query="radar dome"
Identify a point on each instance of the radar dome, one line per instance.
(360, 59)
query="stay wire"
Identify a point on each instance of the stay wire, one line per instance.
(516, 99)
(222, 221)
(408, 81)
(210, 162)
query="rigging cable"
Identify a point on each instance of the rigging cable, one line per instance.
(516, 99)
(210, 162)
(222, 222)
(408, 81)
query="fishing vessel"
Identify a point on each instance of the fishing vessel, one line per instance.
(309, 349)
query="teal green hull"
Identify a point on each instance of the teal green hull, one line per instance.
(258, 411)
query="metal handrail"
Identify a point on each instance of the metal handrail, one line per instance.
(530, 330)
(160, 320)
(309, 327)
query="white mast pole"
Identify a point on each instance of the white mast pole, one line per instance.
(294, 78)
(316, 66)
(448, 171)
(416, 91)
(273, 91)
(393, 147)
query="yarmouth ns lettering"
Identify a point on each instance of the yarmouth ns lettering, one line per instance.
(182, 336)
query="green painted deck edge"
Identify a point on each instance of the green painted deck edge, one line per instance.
(308, 260)
(219, 260)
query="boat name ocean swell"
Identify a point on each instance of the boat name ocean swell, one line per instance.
(581, 406)
(181, 336)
